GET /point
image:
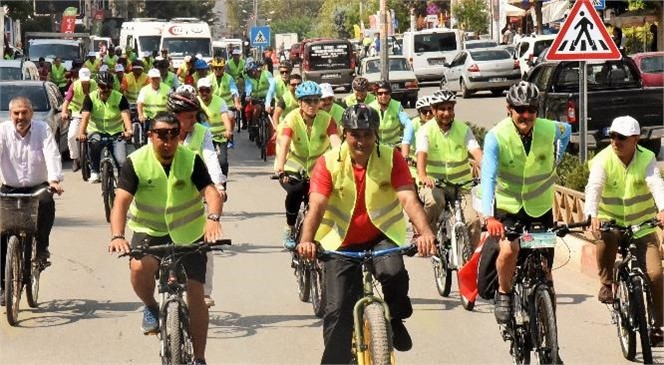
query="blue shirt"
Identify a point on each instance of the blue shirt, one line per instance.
(270, 91)
(490, 162)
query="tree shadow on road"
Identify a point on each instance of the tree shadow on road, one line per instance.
(234, 325)
(564, 299)
(66, 311)
(248, 248)
(244, 215)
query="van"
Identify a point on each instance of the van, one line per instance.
(223, 47)
(187, 37)
(529, 48)
(331, 61)
(428, 50)
(141, 35)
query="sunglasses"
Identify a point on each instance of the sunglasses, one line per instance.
(380, 93)
(295, 84)
(166, 134)
(103, 88)
(618, 136)
(311, 100)
(204, 90)
(284, 72)
(218, 68)
(532, 109)
(426, 111)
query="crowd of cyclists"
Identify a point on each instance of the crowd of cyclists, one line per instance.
(363, 160)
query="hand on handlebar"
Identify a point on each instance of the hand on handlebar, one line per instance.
(594, 226)
(307, 250)
(495, 227)
(82, 137)
(427, 181)
(142, 118)
(118, 245)
(127, 135)
(65, 114)
(213, 231)
(426, 244)
(55, 187)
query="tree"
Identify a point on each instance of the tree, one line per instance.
(201, 9)
(19, 10)
(472, 15)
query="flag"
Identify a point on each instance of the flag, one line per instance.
(467, 275)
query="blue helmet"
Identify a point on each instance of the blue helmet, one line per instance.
(308, 89)
(201, 65)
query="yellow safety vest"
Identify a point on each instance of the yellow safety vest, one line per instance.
(290, 104)
(390, 131)
(183, 72)
(77, 99)
(448, 154)
(58, 75)
(625, 194)
(525, 181)
(170, 80)
(213, 111)
(280, 87)
(92, 66)
(305, 148)
(134, 86)
(105, 117)
(383, 207)
(166, 205)
(337, 112)
(155, 100)
(197, 137)
(111, 61)
(260, 87)
(223, 88)
(352, 99)
(417, 123)
(235, 69)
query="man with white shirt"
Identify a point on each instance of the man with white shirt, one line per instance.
(29, 161)
(625, 185)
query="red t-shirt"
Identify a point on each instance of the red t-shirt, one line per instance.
(331, 129)
(361, 229)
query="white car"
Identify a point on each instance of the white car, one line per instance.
(529, 48)
(402, 77)
(474, 70)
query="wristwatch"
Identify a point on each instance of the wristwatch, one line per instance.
(214, 217)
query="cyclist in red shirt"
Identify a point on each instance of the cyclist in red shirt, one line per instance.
(352, 207)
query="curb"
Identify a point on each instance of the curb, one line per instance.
(578, 253)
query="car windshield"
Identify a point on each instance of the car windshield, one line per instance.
(541, 46)
(601, 76)
(150, 43)
(399, 64)
(179, 47)
(35, 93)
(652, 65)
(490, 55)
(10, 74)
(487, 44)
(50, 51)
(435, 42)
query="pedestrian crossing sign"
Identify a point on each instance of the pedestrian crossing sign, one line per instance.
(583, 37)
(260, 36)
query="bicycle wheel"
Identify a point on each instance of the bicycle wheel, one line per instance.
(463, 245)
(318, 290)
(107, 188)
(13, 279)
(544, 329)
(442, 272)
(520, 348)
(32, 282)
(85, 167)
(175, 335)
(622, 309)
(641, 318)
(376, 336)
(303, 280)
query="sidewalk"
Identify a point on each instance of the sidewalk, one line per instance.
(577, 253)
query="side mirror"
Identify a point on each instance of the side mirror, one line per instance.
(448, 65)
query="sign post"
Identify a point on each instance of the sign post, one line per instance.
(582, 38)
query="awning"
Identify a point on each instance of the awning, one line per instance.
(511, 10)
(554, 11)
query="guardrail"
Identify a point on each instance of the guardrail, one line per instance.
(567, 205)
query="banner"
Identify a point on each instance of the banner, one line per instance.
(68, 24)
(97, 20)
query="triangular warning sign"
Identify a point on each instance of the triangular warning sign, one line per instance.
(260, 38)
(583, 37)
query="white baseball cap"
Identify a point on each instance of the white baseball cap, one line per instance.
(199, 56)
(147, 54)
(237, 52)
(326, 90)
(203, 82)
(626, 126)
(187, 58)
(154, 73)
(84, 74)
(119, 68)
(92, 54)
(103, 68)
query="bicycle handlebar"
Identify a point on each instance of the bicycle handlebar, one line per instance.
(441, 183)
(611, 225)
(295, 177)
(409, 250)
(515, 231)
(201, 246)
(45, 189)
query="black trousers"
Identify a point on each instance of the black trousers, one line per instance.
(343, 287)
(295, 195)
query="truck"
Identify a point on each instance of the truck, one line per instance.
(187, 37)
(283, 43)
(141, 34)
(615, 89)
(67, 46)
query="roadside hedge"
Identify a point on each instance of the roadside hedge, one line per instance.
(573, 174)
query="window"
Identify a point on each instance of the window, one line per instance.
(653, 65)
(490, 55)
(50, 51)
(435, 42)
(35, 93)
(151, 43)
(325, 56)
(11, 73)
(523, 48)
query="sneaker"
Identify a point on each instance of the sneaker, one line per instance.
(94, 178)
(209, 302)
(150, 324)
(400, 336)
(289, 238)
(75, 165)
(44, 254)
(198, 362)
(503, 308)
(656, 338)
(2, 298)
(605, 294)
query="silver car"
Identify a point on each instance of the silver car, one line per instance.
(473, 70)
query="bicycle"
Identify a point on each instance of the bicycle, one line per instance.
(632, 296)
(18, 224)
(372, 331)
(106, 164)
(532, 326)
(176, 346)
(309, 275)
(454, 247)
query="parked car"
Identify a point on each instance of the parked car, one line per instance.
(529, 48)
(402, 77)
(480, 43)
(46, 104)
(509, 48)
(481, 69)
(329, 60)
(614, 89)
(11, 70)
(651, 65)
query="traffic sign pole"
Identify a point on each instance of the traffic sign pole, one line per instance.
(583, 112)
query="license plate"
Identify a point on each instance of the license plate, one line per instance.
(437, 62)
(331, 76)
(538, 240)
(498, 79)
(395, 86)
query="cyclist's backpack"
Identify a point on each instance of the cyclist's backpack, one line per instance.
(487, 275)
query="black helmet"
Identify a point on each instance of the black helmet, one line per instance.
(286, 64)
(183, 101)
(384, 84)
(523, 93)
(360, 84)
(360, 116)
(105, 78)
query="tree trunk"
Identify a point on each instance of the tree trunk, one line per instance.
(538, 16)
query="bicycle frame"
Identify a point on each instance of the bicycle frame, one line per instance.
(452, 219)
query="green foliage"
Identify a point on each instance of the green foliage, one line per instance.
(473, 15)
(302, 26)
(19, 10)
(166, 9)
(637, 39)
(572, 173)
(479, 132)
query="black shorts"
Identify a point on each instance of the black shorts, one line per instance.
(194, 264)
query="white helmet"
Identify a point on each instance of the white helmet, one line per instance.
(442, 96)
(187, 88)
(422, 102)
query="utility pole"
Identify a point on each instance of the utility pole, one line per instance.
(384, 63)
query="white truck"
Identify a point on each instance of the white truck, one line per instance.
(67, 46)
(428, 50)
(141, 34)
(187, 36)
(283, 42)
